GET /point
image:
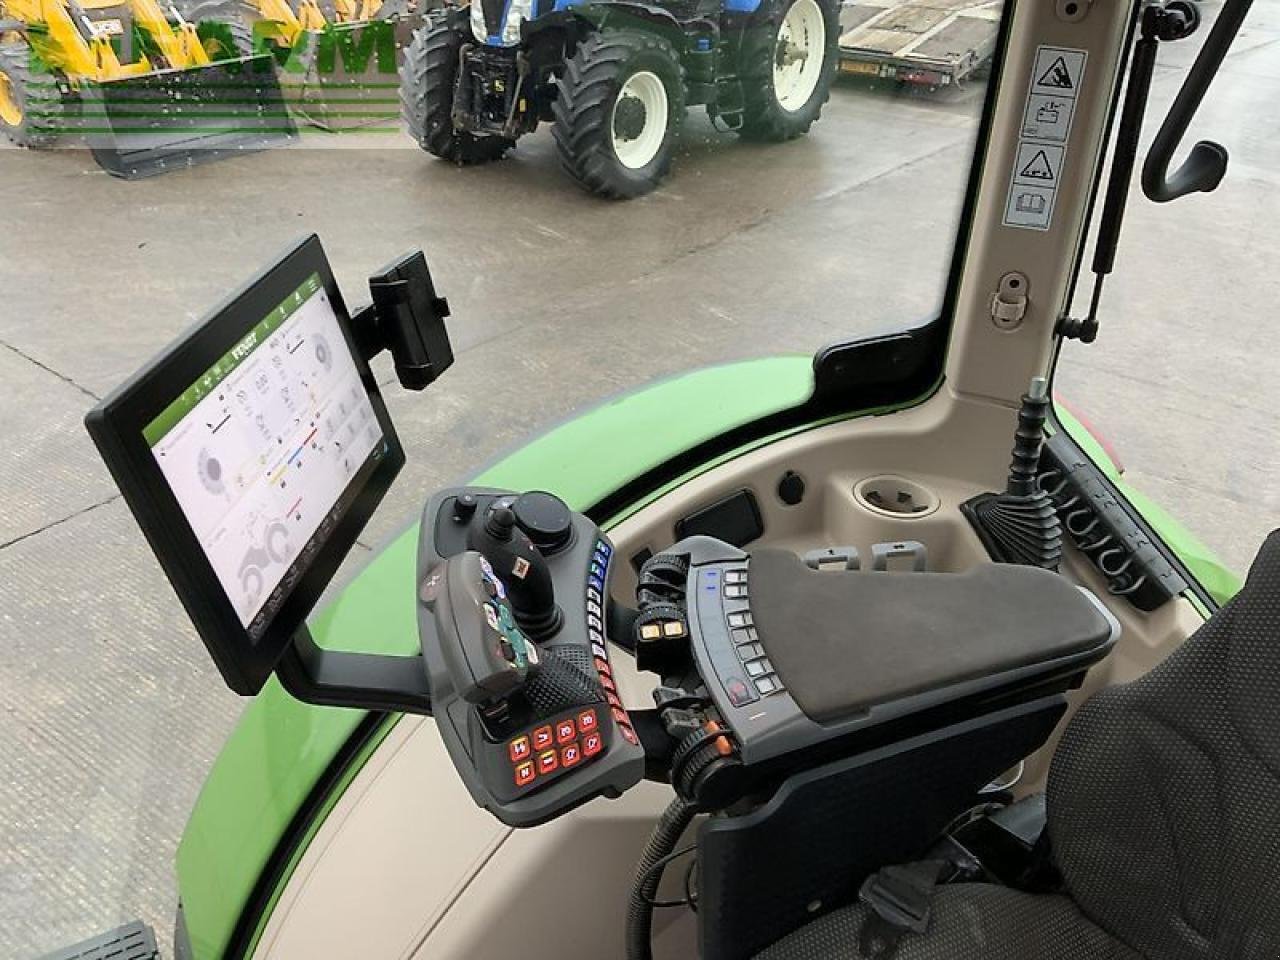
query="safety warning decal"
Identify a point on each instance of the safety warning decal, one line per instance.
(1056, 76)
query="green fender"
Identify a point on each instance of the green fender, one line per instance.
(281, 748)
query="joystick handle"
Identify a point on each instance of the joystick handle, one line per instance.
(521, 567)
(488, 657)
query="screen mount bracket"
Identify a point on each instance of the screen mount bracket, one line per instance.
(406, 318)
(339, 678)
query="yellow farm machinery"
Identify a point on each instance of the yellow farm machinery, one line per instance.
(144, 87)
(151, 85)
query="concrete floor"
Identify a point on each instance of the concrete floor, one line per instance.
(111, 711)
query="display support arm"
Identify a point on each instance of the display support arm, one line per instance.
(338, 678)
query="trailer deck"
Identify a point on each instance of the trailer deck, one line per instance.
(931, 43)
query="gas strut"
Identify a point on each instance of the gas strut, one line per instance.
(1173, 20)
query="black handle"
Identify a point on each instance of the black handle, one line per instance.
(1203, 170)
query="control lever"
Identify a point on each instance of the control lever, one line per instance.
(523, 567)
(488, 656)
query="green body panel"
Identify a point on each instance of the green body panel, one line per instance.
(1221, 582)
(282, 747)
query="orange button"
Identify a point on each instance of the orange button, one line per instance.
(542, 738)
(586, 721)
(547, 762)
(592, 745)
(525, 774)
(519, 749)
(565, 732)
(570, 756)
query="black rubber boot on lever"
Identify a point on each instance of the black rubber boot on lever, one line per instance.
(1021, 524)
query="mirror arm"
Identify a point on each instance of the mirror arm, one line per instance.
(1203, 170)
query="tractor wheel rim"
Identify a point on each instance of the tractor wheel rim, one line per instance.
(638, 121)
(10, 109)
(798, 55)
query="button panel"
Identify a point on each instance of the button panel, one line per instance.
(550, 749)
(729, 631)
(597, 577)
(560, 744)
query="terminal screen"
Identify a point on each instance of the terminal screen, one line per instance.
(266, 450)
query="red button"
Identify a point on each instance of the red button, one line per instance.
(613, 700)
(586, 721)
(542, 738)
(592, 745)
(620, 717)
(607, 683)
(602, 668)
(629, 734)
(547, 762)
(519, 749)
(525, 774)
(565, 732)
(570, 756)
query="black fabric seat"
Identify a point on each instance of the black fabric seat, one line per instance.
(1163, 818)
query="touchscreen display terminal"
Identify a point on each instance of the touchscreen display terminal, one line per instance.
(252, 452)
(261, 449)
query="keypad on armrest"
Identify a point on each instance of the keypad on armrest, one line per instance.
(540, 754)
(760, 680)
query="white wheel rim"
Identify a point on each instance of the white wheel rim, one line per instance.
(798, 56)
(638, 122)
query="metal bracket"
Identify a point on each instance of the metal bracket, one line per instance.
(1009, 302)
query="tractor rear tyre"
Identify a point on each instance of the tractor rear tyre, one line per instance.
(427, 82)
(31, 107)
(787, 61)
(229, 40)
(620, 107)
(225, 27)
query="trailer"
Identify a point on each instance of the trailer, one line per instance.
(926, 43)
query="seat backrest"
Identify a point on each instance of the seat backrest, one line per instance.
(1164, 794)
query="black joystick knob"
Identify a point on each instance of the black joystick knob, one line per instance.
(500, 523)
(545, 518)
(464, 507)
(522, 570)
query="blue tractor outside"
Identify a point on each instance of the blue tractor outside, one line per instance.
(615, 78)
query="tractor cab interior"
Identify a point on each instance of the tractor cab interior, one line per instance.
(910, 685)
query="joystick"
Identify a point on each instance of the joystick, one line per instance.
(487, 655)
(522, 568)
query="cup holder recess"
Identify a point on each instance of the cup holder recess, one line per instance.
(896, 497)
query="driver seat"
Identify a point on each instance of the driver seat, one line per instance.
(1163, 819)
